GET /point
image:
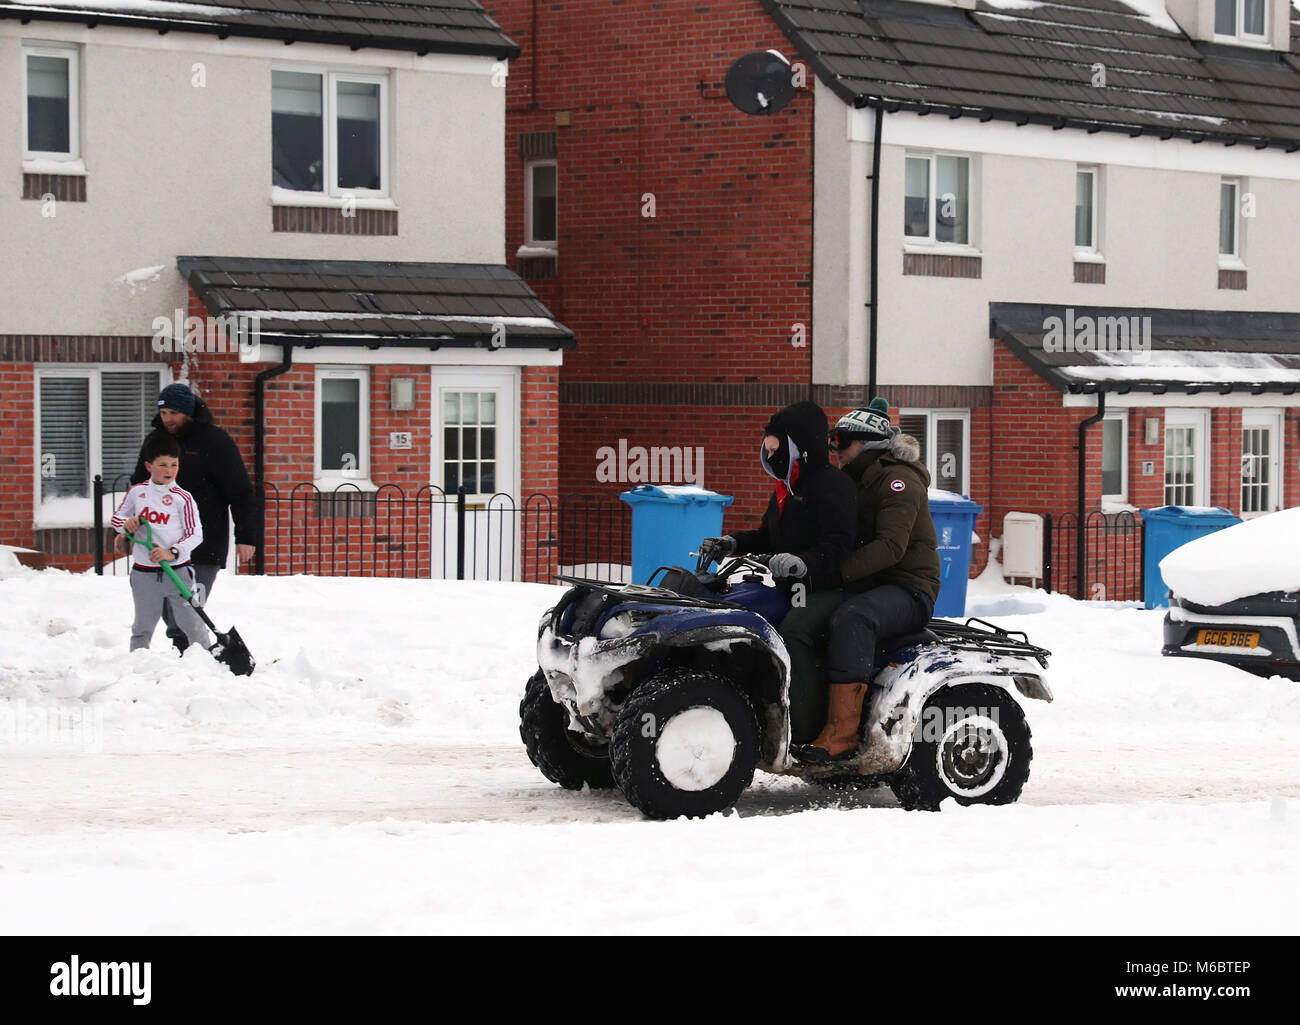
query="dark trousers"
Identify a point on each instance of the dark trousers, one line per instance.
(205, 576)
(804, 630)
(861, 621)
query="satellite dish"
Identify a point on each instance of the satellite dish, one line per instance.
(761, 82)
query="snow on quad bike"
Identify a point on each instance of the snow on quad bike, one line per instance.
(677, 692)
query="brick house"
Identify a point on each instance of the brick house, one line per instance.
(946, 172)
(298, 208)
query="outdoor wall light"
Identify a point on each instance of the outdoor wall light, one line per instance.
(1152, 430)
(401, 394)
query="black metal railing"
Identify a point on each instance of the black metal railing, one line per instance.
(388, 531)
(1113, 563)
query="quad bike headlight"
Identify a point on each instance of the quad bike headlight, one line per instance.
(625, 623)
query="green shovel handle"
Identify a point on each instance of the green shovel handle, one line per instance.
(186, 593)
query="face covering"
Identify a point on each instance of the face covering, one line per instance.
(783, 464)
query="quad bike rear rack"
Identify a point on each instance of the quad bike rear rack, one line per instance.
(992, 639)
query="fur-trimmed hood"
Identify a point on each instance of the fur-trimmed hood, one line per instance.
(902, 448)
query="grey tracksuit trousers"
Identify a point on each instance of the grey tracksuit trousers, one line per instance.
(152, 591)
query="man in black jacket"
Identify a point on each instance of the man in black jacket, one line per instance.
(809, 530)
(212, 470)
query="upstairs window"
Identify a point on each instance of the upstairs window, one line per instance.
(329, 132)
(937, 199)
(50, 110)
(1241, 19)
(1087, 211)
(1230, 222)
(540, 228)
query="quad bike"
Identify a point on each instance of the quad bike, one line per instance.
(676, 693)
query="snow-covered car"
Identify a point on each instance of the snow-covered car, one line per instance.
(1235, 596)
(677, 693)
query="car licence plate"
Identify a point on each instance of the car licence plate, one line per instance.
(1229, 638)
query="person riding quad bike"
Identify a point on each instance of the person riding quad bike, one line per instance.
(808, 529)
(891, 579)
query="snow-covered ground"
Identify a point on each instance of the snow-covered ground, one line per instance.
(372, 780)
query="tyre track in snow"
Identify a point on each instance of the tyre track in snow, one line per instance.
(265, 788)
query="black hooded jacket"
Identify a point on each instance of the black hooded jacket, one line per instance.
(212, 470)
(820, 515)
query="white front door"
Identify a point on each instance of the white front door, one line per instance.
(475, 446)
(1261, 463)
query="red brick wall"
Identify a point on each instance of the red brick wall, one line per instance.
(705, 291)
(1290, 458)
(539, 432)
(1225, 459)
(17, 453)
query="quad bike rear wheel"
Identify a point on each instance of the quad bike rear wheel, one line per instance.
(685, 744)
(563, 756)
(974, 747)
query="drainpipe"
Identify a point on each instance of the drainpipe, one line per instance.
(259, 445)
(1083, 467)
(875, 250)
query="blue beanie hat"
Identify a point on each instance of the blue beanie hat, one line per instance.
(178, 397)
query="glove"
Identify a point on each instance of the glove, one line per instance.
(784, 564)
(718, 548)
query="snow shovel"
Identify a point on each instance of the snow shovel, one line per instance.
(230, 648)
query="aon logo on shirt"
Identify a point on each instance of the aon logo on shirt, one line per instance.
(155, 517)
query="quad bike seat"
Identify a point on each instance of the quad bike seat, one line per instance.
(891, 644)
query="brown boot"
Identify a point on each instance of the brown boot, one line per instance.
(839, 737)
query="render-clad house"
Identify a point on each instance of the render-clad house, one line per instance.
(1058, 237)
(298, 208)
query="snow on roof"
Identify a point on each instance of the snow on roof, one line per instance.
(333, 315)
(1253, 557)
(146, 8)
(1154, 13)
(1176, 365)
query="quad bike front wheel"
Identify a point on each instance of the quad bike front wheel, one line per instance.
(974, 746)
(685, 744)
(563, 756)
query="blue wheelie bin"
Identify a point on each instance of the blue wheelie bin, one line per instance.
(669, 522)
(954, 523)
(1172, 526)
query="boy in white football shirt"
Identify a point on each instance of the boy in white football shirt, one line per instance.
(173, 517)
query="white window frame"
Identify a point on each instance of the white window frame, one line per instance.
(1273, 419)
(930, 455)
(1120, 497)
(330, 77)
(1241, 35)
(1199, 419)
(95, 463)
(930, 242)
(529, 239)
(70, 53)
(1236, 260)
(329, 479)
(1092, 253)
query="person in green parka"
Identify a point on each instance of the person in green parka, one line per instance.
(891, 578)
